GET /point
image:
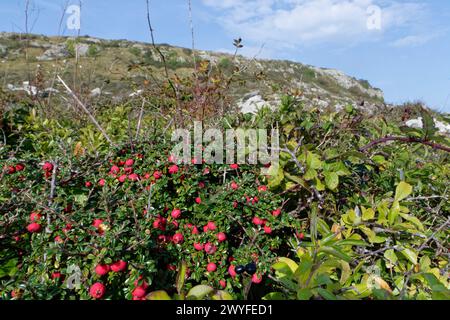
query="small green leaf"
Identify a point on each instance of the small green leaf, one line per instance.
(181, 276)
(403, 190)
(331, 180)
(304, 294)
(391, 257)
(410, 255)
(336, 252)
(326, 294)
(274, 296)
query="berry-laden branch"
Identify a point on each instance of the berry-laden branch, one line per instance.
(386, 139)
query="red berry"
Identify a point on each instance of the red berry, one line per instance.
(101, 269)
(221, 236)
(97, 290)
(198, 200)
(231, 271)
(201, 184)
(138, 292)
(122, 178)
(56, 275)
(160, 223)
(20, 167)
(129, 162)
(172, 158)
(262, 188)
(88, 184)
(97, 223)
(234, 185)
(133, 177)
(173, 169)
(195, 230)
(162, 238)
(171, 267)
(118, 266)
(223, 283)
(234, 166)
(128, 170)
(198, 246)
(256, 279)
(211, 267)
(267, 229)
(114, 170)
(47, 166)
(210, 248)
(211, 226)
(178, 238)
(101, 182)
(10, 170)
(257, 221)
(35, 216)
(176, 213)
(34, 227)
(67, 228)
(276, 212)
(157, 175)
(140, 283)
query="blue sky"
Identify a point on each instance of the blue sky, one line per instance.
(406, 54)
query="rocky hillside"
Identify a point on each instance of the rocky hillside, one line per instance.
(112, 67)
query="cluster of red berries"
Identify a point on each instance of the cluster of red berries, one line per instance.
(13, 169)
(34, 226)
(98, 289)
(48, 169)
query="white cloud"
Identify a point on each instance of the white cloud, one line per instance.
(413, 40)
(297, 23)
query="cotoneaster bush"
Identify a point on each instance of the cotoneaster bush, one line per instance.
(128, 222)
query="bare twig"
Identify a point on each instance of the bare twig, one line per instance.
(52, 194)
(61, 20)
(86, 111)
(149, 201)
(386, 139)
(141, 114)
(192, 35)
(163, 58)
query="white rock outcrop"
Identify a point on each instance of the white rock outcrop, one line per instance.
(30, 90)
(96, 92)
(417, 123)
(54, 52)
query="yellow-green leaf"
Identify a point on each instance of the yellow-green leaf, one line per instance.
(331, 180)
(158, 295)
(403, 190)
(199, 292)
(410, 255)
(221, 295)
